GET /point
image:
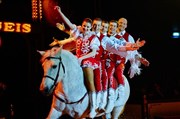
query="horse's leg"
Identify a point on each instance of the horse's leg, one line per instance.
(106, 116)
(119, 107)
(56, 109)
(54, 114)
(117, 111)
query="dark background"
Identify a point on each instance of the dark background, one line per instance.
(151, 20)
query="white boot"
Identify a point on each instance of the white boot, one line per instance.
(99, 97)
(111, 100)
(121, 95)
(92, 101)
(103, 101)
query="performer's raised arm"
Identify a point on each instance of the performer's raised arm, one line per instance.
(64, 18)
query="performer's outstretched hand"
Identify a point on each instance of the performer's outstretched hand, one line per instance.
(144, 61)
(140, 43)
(135, 46)
(60, 26)
(132, 48)
(55, 42)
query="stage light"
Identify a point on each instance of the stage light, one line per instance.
(175, 35)
(37, 10)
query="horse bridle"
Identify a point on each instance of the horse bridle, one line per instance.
(55, 80)
(57, 75)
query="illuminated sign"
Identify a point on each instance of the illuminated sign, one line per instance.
(15, 27)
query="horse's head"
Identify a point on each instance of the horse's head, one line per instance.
(52, 66)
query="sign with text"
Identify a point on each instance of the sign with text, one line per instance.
(15, 27)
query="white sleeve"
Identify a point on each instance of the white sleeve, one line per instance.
(120, 41)
(95, 43)
(132, 54)
(131, 39)
(112, 46)
(75, 32)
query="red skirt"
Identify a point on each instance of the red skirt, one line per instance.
(90, 62)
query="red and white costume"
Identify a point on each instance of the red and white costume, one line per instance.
(120, 61)
(84, 45)
(100, 79)
(110, 66)
(101, 84)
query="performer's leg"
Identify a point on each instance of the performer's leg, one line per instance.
(119, 73)
(111, 88)
(104, 76)
(98, 85)
(120, 79)
(89, 81)
(104, 79)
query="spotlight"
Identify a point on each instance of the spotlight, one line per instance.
(175, 35)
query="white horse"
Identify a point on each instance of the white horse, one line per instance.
(63, 77)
